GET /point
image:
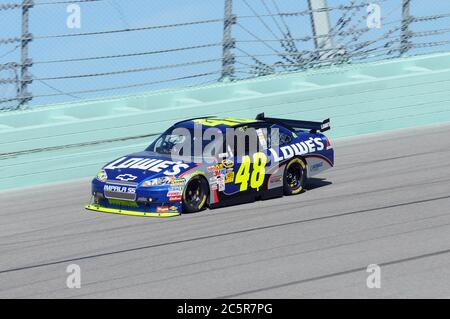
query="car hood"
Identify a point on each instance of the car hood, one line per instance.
(142, 166)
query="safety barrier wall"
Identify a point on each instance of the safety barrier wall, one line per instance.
(69, 141)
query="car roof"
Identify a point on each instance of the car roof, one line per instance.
(220, 123)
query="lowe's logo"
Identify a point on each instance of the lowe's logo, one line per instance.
(126, 177)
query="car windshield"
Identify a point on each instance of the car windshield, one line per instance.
(167, 143)
(170, 143)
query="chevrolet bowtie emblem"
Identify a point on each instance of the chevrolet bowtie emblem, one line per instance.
(126, 177)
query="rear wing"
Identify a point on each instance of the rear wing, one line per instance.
(295, 124)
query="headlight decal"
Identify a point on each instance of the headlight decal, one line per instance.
(157, 181)
(102, 176)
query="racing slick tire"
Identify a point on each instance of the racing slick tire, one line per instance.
(294, 177)
(195, 195)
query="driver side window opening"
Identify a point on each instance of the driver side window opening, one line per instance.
(246, 141)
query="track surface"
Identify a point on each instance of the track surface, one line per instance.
(386, 202)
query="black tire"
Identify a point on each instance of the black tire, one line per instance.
(294, 177)
(195, 195)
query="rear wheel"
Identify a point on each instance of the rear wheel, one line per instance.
(294, 176)
(195, 195)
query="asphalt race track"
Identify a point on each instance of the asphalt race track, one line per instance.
(386, 202)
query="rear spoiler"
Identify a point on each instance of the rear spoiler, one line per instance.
(294, 124)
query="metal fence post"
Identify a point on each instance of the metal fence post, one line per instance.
(321, 28)
(25, 78)
(405, 44)
(228, 43)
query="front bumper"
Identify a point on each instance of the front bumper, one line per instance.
(141, 201)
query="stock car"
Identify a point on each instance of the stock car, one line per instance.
(170, 177)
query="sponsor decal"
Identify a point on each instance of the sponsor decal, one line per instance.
(174, 194)
(175, 199)
(316, 166)
(229, 177)
(173, 209)
(287, 152)
(178, 182)
(119, 189)
(162, 209)
(218, 182)
(226, 163)
(275, 178)
(126, 177)
(213, 179)
(168, 168)
(122, 202)
(211, 169)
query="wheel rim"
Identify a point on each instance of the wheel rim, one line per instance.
(294, 176)
(194, 193)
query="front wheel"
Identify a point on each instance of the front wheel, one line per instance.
(294, 177)
(195, 195)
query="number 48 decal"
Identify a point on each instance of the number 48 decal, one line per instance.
(258, 174)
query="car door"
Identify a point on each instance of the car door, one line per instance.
(244, 169)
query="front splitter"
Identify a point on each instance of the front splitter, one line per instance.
(98, 208)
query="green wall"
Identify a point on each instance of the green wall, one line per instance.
(69, 141)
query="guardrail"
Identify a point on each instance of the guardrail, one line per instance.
(69, 141)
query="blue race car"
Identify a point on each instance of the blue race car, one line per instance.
(212, 162)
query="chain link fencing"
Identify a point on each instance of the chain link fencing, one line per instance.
(65, 51)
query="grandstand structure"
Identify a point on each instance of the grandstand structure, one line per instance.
(44, 62)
